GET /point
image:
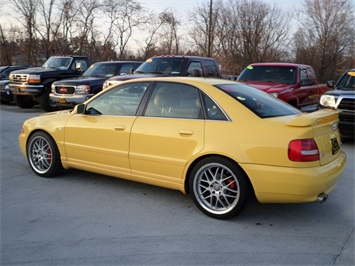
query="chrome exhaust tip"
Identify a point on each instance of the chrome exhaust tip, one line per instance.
(322, 197)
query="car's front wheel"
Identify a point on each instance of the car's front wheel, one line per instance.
(43, 155)
(218, 187)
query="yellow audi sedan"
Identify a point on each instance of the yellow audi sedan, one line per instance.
(214, 139)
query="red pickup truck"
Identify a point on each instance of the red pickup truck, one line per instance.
(295, 84)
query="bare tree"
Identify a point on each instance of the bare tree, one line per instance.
(86, 20)
(169, 37)
(124, 18)
(326, 35)
(27, 11)
(203, 33)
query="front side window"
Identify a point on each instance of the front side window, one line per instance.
(174, 100)
(211, 68)
(259, 102)
(121, 101)
(194, 69)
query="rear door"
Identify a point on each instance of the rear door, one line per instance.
(168, 135)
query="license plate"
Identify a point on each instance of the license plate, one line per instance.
(335, 146)
(62, 100)
(17, 90)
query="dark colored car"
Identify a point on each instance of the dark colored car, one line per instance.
(70, 92)
(6, 95)
(342, 98)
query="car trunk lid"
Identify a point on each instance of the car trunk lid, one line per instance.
(324, 125)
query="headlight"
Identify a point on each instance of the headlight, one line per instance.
(105, 85)
(34, 78)
(11, 77)
(52, 88)
(82, 89)
(328, 100)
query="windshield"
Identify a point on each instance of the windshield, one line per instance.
(101, 70)
(347, 82)
(61, 63)
(162, 65)
(279, 74)
(259, 102)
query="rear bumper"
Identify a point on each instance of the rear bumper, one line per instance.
(294, 185)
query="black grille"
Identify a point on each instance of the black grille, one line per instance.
(64, 89)
(347, 104)
(19, 78)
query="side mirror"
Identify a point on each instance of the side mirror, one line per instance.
(306, 82)
(78, 66)
(80, 109)
(330, 83)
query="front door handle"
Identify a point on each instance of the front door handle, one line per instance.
(119, 128)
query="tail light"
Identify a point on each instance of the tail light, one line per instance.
(303, 150)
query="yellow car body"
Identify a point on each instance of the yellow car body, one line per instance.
(162, 151)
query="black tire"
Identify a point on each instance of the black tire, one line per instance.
(218, 187)
(24, 101)
(43, 155)
(45, 103)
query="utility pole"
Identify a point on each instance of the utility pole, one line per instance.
(209, 45)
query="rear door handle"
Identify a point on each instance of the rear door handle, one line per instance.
(186, 132)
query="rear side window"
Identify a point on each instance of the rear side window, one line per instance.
(259, 102)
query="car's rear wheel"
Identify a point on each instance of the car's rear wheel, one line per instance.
(218, 187)
(43, 155)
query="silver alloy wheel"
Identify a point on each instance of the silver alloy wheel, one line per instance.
(216, 188)
(40, 154)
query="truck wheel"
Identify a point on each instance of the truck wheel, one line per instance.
(24, 101)
(45, 102)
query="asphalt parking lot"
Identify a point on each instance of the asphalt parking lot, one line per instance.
(81, 218)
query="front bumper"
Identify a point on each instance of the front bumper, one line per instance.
(274, 184)
(20, 89)
(66, 100)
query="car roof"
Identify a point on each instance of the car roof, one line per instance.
(181, 56)
(118, 62)
(279, 64)
(188, 80)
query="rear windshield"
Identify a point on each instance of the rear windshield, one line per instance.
(262, 104)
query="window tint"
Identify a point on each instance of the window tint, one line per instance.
(82, 62)
(195, 69)
(211, 68)
(259, 102)
(122, 100)
(281, 74)
(174, 100)
(126, 69)
(213, 112)
(347, 81)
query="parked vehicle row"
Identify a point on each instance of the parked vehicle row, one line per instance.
(62, 82)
